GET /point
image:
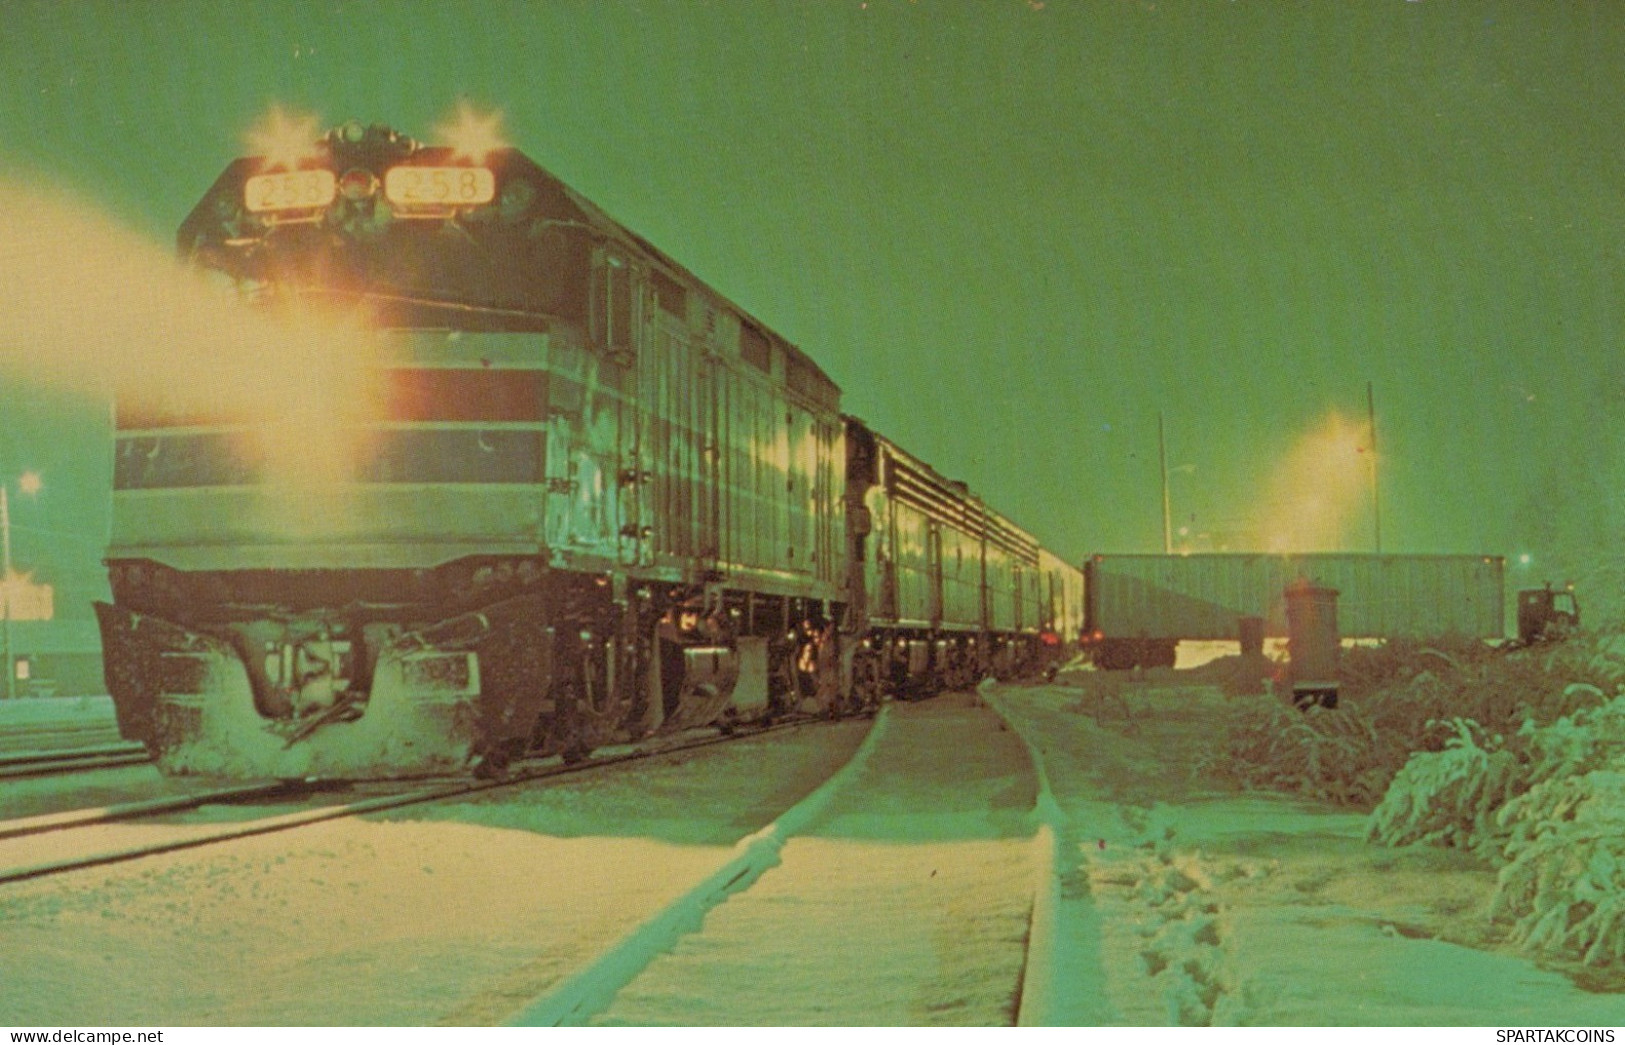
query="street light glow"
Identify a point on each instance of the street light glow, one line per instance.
(29, 483)
(1318, 487)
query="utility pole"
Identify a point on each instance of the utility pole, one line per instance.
(1376, 504)
(1167, 518)
(5, 590)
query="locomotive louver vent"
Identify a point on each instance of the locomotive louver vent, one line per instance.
(913, 487)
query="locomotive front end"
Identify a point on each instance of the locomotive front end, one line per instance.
(388, 621)
(392, 620)
(206, 705)
(351, 576)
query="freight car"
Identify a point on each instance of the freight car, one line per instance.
(592, 499)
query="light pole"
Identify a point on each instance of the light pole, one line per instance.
(1167, 517)
(29, 484)
(5, 590)
(1376, 505)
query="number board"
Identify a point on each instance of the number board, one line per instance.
(439, 186)
(294, 190)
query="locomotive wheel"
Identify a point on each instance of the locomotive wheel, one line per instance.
(868, 682)
(494, 764)
(784, 681)
(964, 669)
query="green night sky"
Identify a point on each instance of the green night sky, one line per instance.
(1013, 232)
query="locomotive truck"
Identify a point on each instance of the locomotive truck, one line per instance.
(593, 499)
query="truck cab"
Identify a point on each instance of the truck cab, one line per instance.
(1547, 614)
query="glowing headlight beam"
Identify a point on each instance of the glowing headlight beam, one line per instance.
(285, 140)
(472, 135)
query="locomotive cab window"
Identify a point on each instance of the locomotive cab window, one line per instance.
(669, 294)
(754, 348)
(612, 304)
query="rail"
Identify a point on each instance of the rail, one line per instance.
(45, 763)
(590, 990)
(75, 819)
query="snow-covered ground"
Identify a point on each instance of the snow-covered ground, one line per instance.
(906, 904)
(457, 914)
(56, 711)
(30, 724)
(89, 789)
(1197, 904)
(1181, 901)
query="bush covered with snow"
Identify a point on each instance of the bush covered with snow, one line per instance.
(1446, 797)
(1483, 791)
(1517, 756)
(1563, 886)
(1453, 699)
(1545, 801)
(1334, 755)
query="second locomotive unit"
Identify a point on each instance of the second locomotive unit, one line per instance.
(590, 499)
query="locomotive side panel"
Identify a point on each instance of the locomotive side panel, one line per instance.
(775, 457)
(877, 547)
(674, 415)
(916, 577)
(827, 511)
(1001, 602)
(747, 533)
(1062, 595)
(1033, 616)
(583, 454)
(1013, 570)
(962, 581)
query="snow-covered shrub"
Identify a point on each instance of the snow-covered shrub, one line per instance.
(1564, 884)
(1500, 691)
(1447, 797)
(1371, 669)
(1607, 661)
(1403, 698)
(1331, 754)
(1578, 742)
(1594, 797)
(1548, 802)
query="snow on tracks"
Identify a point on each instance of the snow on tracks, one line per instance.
(37, 724)
(1043, 1001)
(454, 913)
(905, 901)
(76, 760)
(593, 987)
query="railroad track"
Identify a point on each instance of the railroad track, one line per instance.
(32, 737)
(591, 994)
(45, 763)
(1049, 946)
(18, 863)
(28, 726)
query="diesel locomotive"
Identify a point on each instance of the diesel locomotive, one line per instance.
(591, 499)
